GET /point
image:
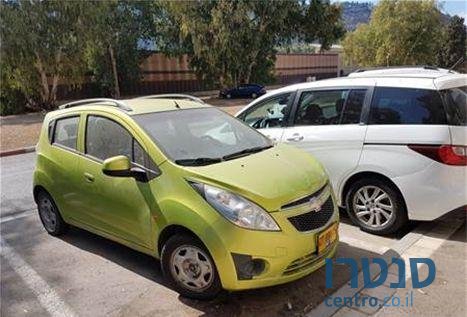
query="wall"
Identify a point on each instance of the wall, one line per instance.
(162, 74)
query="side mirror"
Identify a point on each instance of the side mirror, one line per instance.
(120, 166)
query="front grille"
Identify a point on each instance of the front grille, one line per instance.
(314, 219)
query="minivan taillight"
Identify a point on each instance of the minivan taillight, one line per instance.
(446, 154)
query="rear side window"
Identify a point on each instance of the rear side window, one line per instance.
(406, 106)
(456, 105)
(66, 132)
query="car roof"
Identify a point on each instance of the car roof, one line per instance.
(133, 106)
(405, 71)
(408, 77)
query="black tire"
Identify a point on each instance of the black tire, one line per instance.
(175, 244)
(51, 219)
(398, 216)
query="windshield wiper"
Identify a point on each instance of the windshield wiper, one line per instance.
(245, 152)
(198, 161)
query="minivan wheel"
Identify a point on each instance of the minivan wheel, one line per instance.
(376, 206)
(254, 95)
(50, 215)
(189, 268)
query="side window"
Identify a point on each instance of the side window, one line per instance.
(353, 106)
(320, 107)
(269, 113)
(106, 138)
(406, 106)
(66, 132)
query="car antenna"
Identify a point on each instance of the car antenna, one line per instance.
(176, 105)
(460, 60)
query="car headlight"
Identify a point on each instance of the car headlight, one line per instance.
(237, 209)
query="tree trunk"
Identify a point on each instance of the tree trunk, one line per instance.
(56, 77)
(114, 72)
(45, 92)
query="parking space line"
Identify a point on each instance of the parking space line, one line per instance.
(23, 214)
(46, 295)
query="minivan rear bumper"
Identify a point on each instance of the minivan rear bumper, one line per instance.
(433, 191)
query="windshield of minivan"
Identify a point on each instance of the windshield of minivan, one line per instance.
(201, 136)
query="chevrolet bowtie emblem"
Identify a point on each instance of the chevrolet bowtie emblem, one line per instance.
(312, 202)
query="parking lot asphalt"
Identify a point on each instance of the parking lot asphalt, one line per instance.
(81, 274)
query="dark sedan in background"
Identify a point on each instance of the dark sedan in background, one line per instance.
(243, 90)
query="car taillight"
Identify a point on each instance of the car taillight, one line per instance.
(446, 154)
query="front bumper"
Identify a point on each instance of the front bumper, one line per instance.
(288, 255)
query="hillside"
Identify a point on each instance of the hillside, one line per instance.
(354, 13)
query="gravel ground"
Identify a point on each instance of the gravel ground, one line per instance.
(23, 130)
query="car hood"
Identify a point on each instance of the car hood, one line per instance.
(271, 178)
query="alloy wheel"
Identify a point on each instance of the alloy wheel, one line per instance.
(373, 206)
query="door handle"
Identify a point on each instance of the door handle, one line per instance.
(89, 178)
(295, 137)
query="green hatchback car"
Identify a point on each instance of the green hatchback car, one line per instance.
(218, 203)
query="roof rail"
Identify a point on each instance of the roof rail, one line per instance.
(112, 103)
(173, 96)
(361, 70)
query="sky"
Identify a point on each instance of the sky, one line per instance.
(451, 7)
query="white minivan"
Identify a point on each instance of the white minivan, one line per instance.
(392, 140)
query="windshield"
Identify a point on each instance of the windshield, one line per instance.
(201, 136)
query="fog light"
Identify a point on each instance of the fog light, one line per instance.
(246, 267)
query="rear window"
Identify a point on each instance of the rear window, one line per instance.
(66, 132)
(406, 106)
(456, 105)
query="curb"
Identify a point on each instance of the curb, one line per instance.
(23, 150)
(396, 250)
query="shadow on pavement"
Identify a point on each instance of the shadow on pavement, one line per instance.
(130, 259)
(295, 298)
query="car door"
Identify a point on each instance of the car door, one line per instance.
(119, 206)
(327, 123)
(270, 115)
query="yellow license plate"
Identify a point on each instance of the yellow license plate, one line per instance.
(327, 237)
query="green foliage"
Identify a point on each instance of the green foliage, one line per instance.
(48, 44)
(41, 44)
(231, 42)
(454, 43)
(399, 33)
(113, 54)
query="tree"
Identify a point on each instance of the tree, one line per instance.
(454, 43)
(41, 44)
(399, 33)
(117, 28)
(231, 42)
